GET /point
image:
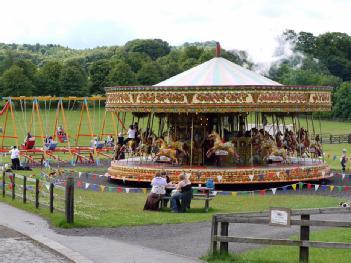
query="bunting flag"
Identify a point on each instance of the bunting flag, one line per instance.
(340, 188)
(119, 189)
(324, 187)
(331, 187)
(300, 185)
(293, 187)
(274, 190)
(102, 188)
(309, 186)
(285, 188)
(343, 176)
(79, 184)
(110, 189)
(79, 174)
(262, 192)
(86, 185)
(316, 186)
(234, 193)
(127, 190)
(47, 185)
(251, 176)
(346, 188)
(144, 190)
(94, 177)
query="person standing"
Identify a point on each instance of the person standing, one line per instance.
(15, 158)
(343, 160)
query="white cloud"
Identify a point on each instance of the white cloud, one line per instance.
(238, 24)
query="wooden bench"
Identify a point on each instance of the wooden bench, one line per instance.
(199, 193)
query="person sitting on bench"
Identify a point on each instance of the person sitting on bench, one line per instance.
(158, 190)
(182, 193)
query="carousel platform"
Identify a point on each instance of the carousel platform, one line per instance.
(296, 169)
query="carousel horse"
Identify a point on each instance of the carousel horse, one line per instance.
(131, 146)
(171, 151)
(220, 145)
(269, 150)
(144, 149)
(316, 148)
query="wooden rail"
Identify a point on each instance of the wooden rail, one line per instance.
(335, 139)
(263, 218)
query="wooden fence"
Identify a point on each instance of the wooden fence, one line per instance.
(264, 218)
(42, 194)
(335, 139)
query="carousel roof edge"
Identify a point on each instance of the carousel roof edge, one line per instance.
(223, 87)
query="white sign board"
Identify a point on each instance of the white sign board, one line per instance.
(280, 216)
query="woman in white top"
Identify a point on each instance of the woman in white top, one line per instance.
(158, 190)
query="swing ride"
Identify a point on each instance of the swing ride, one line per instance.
(223, 122)
(43, 144)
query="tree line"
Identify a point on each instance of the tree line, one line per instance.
(60, 71)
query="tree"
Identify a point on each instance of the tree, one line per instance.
(98, 72)
(14, 82)
(154, 48)
(149, 74)
(47, 79)
(121, 75)
(73, 81)
(342, 101)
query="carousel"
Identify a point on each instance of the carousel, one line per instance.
(223, 122)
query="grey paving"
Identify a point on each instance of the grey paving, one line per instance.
(15, 247)
(84, 248)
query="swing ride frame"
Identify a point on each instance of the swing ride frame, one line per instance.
(82, 154)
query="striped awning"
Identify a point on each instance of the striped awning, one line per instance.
(218, 72)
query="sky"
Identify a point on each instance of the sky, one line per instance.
(251, 25)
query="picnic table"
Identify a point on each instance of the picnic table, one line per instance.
(198, 193)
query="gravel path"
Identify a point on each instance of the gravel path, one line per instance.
(193, 239)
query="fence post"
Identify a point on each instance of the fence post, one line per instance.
(223, 246)
(214, 232)
(13, 186)
(51, 197)
(304, 235)
(3, 183)
(69, 202)
(24, 189)
(37, 193)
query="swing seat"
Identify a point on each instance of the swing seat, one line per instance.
(29, 144)
(51, 146)
(62, 137)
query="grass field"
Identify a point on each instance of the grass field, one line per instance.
(108, 209)
(280, 254)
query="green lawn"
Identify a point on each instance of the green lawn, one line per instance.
(282, 254)
(109, 209)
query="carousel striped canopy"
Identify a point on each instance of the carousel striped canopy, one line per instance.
(218, 72)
